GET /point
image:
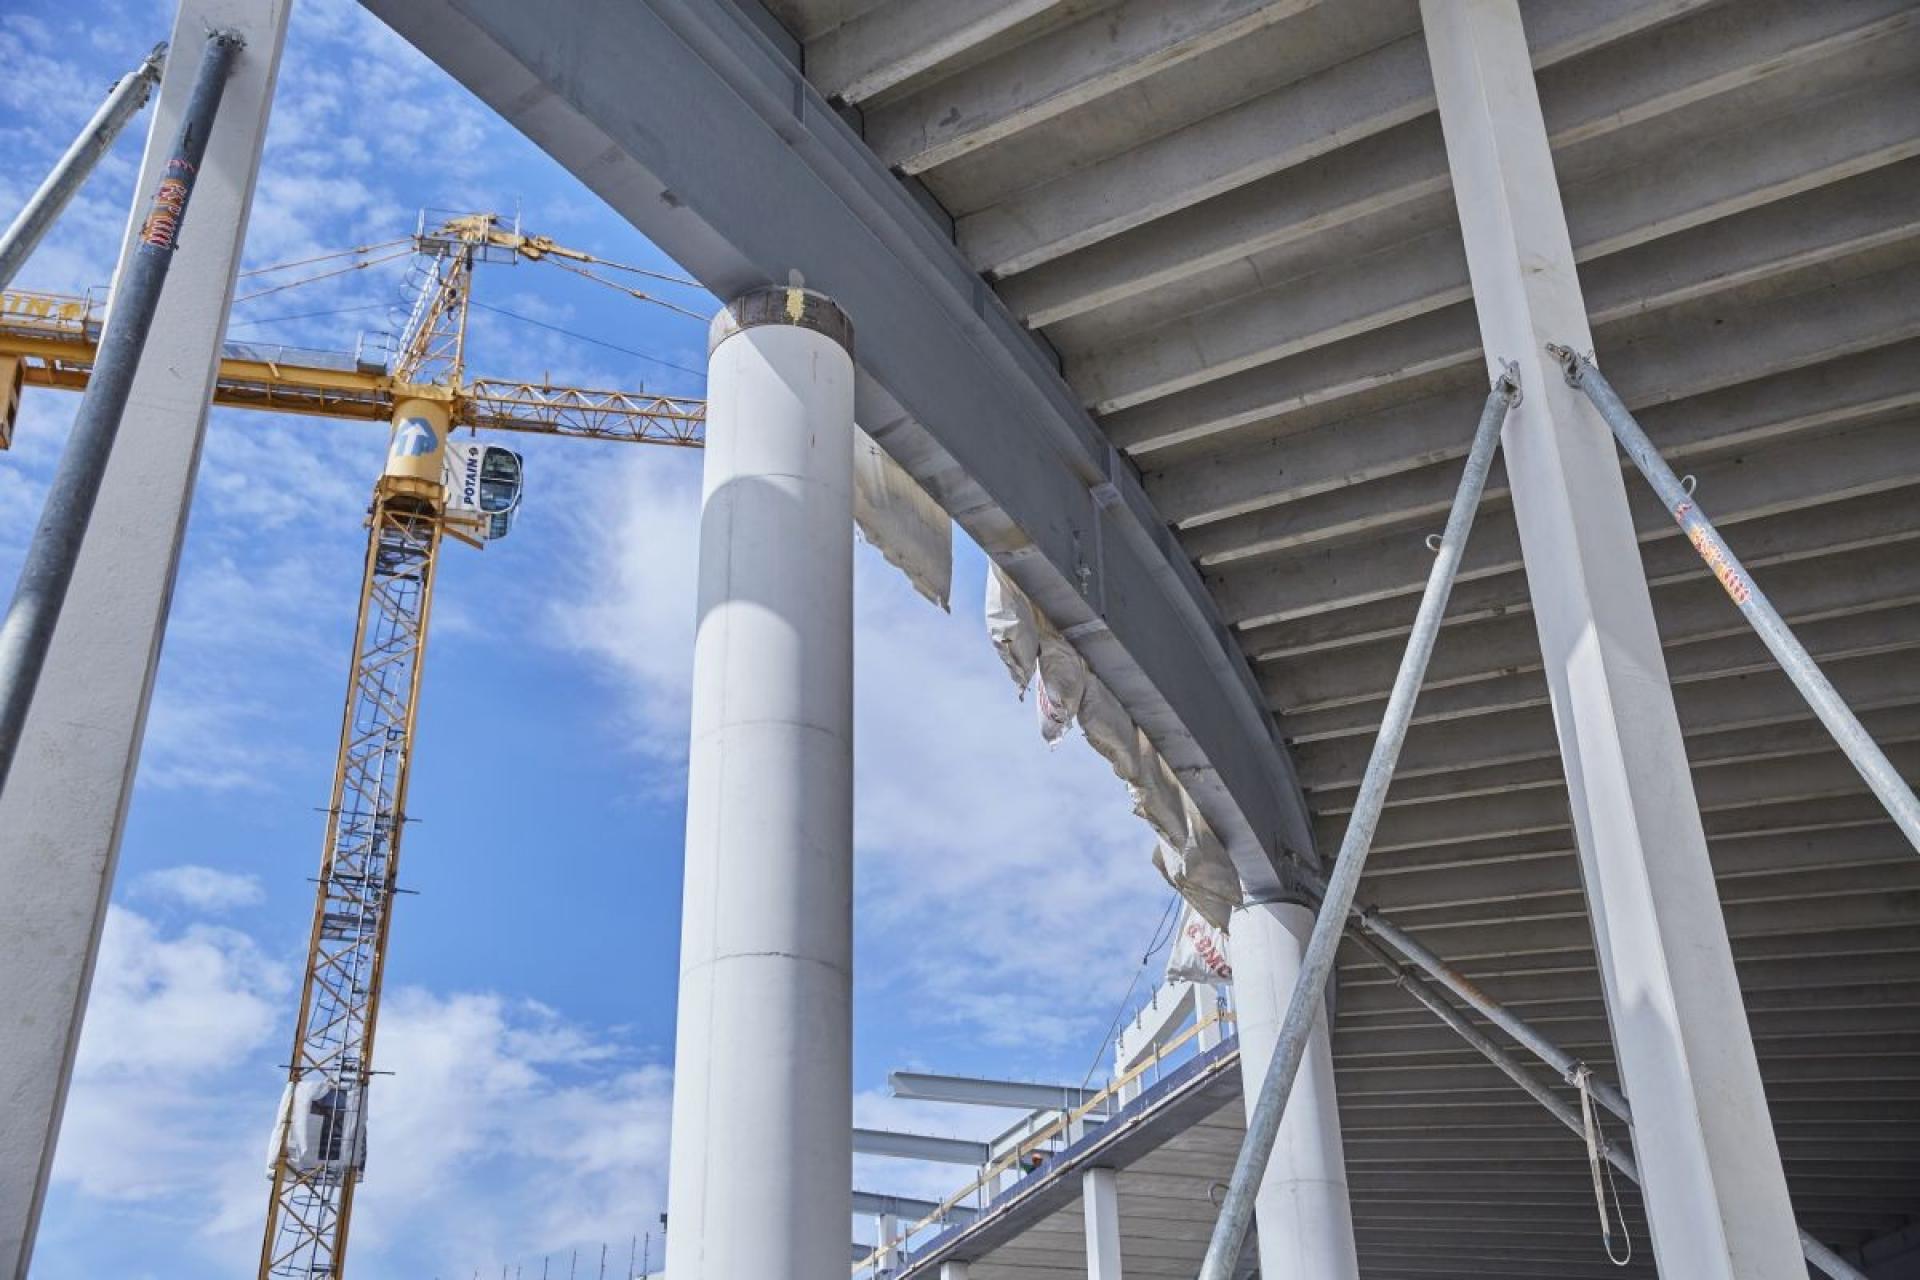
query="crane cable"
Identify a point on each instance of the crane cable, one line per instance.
(324, 275)
(323, 257)
(630, 292)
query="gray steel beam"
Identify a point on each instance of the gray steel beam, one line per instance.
(907, 1208)
(974, 1091)
(919, 1146)
(694, 151)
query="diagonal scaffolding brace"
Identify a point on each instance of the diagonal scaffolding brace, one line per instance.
(1370, 926)
(1236, 1208)
(1827, 704)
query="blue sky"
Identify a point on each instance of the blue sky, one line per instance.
(1004, 890)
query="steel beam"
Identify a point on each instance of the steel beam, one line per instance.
(973, 1091)
(66, 801)
(1715, 1190)
(950, 384)
(918, 1146)
(907, 1207)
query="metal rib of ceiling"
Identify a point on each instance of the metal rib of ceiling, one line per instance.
(1232, 221)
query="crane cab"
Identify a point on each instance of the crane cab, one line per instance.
(484, 481)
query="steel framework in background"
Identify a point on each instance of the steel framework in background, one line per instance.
(366, 818)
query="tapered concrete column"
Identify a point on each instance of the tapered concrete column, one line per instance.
(66, 800)
(1304, 1221)
(762, 1109)
(1100, 1197)
(1702, 1135)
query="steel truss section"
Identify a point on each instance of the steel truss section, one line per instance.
(340, 995)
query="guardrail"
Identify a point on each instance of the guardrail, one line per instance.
(1064, 1123)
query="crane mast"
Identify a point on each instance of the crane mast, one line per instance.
(319, 1143)
(319, 1148)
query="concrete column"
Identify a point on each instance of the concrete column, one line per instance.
(1305, 1222)
(955, 1271)
(762, 1111)
(1100, 1197)
(1702, 1134)
(66, 801)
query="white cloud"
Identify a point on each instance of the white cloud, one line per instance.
(994, 871)
(202, 888)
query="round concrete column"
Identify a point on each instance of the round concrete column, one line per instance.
(762, 1162)
(1304, 1219)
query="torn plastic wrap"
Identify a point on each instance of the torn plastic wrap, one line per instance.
(1062, 684)
(902, 521)
(1198, 866)
(1012, 627)
(1157, 798)
(1110, 729)
(1189, 855)
(1200, 951)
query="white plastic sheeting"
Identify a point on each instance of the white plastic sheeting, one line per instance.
(1200, 952)
(296, 1129)
(901, 520)
(1188, 854)
(1012, 628)
(1060, 686)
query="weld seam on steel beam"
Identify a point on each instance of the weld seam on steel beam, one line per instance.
(1817, 1253)
(1745, 593)
(26, 634)
(71, 171)
(1236, 1208)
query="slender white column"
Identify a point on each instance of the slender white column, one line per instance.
(1702, 1135)
(762, 1110)
(66, 801)
(955, 1271)
(1304, 1219)
(1100, 1197)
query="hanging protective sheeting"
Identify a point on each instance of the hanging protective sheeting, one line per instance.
(1200, 868)
(1189, 855)
(1062, 685)
(1011, 627)
(902, 520)
(1199, 951)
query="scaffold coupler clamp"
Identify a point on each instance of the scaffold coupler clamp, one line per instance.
(1570, 361)
(1509, 382)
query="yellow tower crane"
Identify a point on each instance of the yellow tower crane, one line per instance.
(432, 488)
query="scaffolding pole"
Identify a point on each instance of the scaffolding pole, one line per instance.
(1816, 1253)
(27, 632)
(1236, 1208)
(1785, 647)
(44, 206)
